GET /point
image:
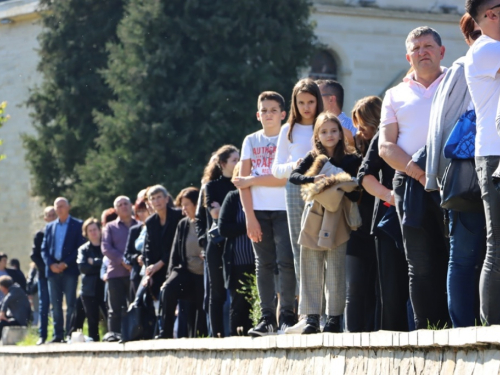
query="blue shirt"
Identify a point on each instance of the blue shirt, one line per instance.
(60, 235)
(346, 123)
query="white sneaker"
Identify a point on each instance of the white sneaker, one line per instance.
(297, 328)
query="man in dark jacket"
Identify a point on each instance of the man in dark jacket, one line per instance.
(49, 215)
(60, 246)
(15, 310)
(16, 275)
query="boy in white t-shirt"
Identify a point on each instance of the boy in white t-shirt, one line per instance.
(263, 199)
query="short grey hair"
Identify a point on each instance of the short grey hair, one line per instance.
(157, 189)
(119, 198)
(423, 31)
(6, 281)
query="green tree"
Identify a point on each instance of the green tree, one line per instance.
(72, 51)
(187, 74)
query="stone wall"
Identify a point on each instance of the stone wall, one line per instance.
(471, 351)
(20, 214)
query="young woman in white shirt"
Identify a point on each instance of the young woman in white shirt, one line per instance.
(294, 142)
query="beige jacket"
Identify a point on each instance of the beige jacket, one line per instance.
(325, 222)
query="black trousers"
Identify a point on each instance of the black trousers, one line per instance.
(427, 254)
(92, 306)
(183, 285)
(78, 316)
(239, 314)
(118, 293)
(361, 282)
(393, 280)
(217, 289)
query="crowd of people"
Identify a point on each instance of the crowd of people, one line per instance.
(385, 220)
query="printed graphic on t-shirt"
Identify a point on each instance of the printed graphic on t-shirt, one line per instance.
(262, 159)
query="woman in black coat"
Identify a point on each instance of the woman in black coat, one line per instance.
(185, 272)
(92, 287)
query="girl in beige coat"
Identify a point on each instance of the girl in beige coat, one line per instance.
(329, 189)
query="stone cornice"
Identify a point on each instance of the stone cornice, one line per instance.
(19, 10)
(373, 12)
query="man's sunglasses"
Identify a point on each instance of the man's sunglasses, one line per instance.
(496, 6)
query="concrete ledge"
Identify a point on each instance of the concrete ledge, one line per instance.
(456, 338)
(468, 351)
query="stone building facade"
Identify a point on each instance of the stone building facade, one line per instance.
(364, 49)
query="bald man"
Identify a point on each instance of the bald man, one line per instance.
(61, 241)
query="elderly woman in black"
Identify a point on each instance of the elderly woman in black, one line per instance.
(185, 272)
(92, 287)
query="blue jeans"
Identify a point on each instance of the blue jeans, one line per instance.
(60, 284)
(467, 248)
(43, 307)
(490, 274)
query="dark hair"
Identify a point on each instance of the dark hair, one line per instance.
(334, 88)
(213, 170)
(423, 31)
(140, 204)
(341, 149)
(14, 263)
(467, 25)
(271, 95)
(6, 281)
(473, 7)
(3, 255)
(190, 193)
(108, 215)
(87, 223)
(304, 85)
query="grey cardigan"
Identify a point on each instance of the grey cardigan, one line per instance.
(451, 100)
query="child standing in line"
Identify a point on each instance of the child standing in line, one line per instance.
(326, 175)
(294, 142)
(263, 199)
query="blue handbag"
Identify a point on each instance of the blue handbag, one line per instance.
(461, 142)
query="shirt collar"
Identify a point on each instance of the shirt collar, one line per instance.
(66, 222)
(410, 78)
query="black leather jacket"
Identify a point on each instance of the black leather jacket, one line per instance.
(91, 281)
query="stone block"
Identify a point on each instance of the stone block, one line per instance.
(463, 336)
(381, 339)
(404, 338)
(488, 335)
(441, 337)
(425, 337)
(365, 339)
(13, 334)
(413, 338)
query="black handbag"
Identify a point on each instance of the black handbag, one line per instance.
(214, 234)
(460, 187)
(133, 323)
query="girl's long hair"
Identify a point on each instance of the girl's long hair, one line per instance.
(341, 149)
(304, 85)
(213, 170)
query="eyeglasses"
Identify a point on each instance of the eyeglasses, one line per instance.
(496, 6)
(475, 34)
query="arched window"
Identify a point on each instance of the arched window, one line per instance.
(323, 66)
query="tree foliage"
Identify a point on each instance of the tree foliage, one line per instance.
(186, 75)
(72, 52)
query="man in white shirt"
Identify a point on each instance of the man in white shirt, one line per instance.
(482, 68)
(404, 125)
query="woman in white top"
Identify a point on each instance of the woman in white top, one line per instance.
(294, 142)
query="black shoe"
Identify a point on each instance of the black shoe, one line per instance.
(57, 340)
(266, 326)
(332, 324)
(312, 325)
(287, 320)
(40, 341)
